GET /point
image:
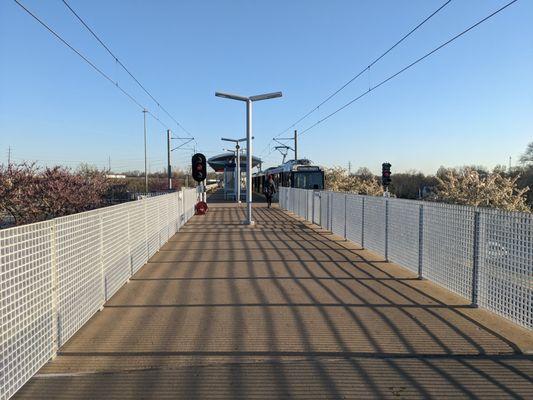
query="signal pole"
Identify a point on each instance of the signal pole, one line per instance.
(145, 156)
(386, 178)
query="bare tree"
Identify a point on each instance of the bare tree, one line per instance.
(527, 157)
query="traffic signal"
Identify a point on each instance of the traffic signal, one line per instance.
(385, 174)
(199, 167)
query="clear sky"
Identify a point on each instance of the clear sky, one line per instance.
(470, 103)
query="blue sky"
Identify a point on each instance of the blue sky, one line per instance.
(471, 103)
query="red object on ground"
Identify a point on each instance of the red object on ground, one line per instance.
(201, 208)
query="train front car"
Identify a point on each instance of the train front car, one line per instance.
(299, 174)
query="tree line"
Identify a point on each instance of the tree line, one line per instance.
(503, 188)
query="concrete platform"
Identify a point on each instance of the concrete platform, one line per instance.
(284, 310)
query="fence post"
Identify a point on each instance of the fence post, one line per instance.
(55, 294)
(363, 223)
(386, 230)
(476, 258)
(420, 240)
(313, 207)
(345, 216)
(330, 212)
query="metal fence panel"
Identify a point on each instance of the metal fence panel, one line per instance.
(374, 224)
(115, 248)
(448, 243)
(354, 218)
(137, 234)
(26, 305)
(316, 207)
(310, 198)
(303, 203)
(173, 214)
(86, 257)
(164, 223)
(78, 255)
(482, 254)
(338, 215)
(403, 233)
(299, 202)
(506, 267)
(324, 210)
(152, 225)
(292, 195)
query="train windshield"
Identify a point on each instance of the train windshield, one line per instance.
(309, 180)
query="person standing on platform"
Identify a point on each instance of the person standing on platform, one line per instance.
(269, 190)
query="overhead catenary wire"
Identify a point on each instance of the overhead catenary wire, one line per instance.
(119, 62)
(89, 62)
(356, 76)
(365, 69)
(412, 64)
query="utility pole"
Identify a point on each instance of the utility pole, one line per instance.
(9, 156)
(145, 155)
(169, 167)
(349, 167)
(295, 145)
(509, 163)
(109, 163)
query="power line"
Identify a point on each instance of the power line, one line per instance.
(408, 66)
(84, 58)
(117, 60)
(367, 67)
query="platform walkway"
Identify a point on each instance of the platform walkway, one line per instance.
(283, 310)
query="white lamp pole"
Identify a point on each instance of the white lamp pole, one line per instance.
(249, 159)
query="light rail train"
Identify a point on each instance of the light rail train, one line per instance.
(301, 174)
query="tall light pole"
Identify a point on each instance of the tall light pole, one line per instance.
(238, 166)
(249, 160)
(145, 156)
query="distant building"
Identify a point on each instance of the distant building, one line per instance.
(115, 176)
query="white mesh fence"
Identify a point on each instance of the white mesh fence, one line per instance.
(354, 218)
(55, 275)
(316, 208)
(448, 246)
(374, 224)
(324, 209)
(485, 255)
(310, 198)
(506, 265)
(338, 213)
(403, 232)
(26, 307)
